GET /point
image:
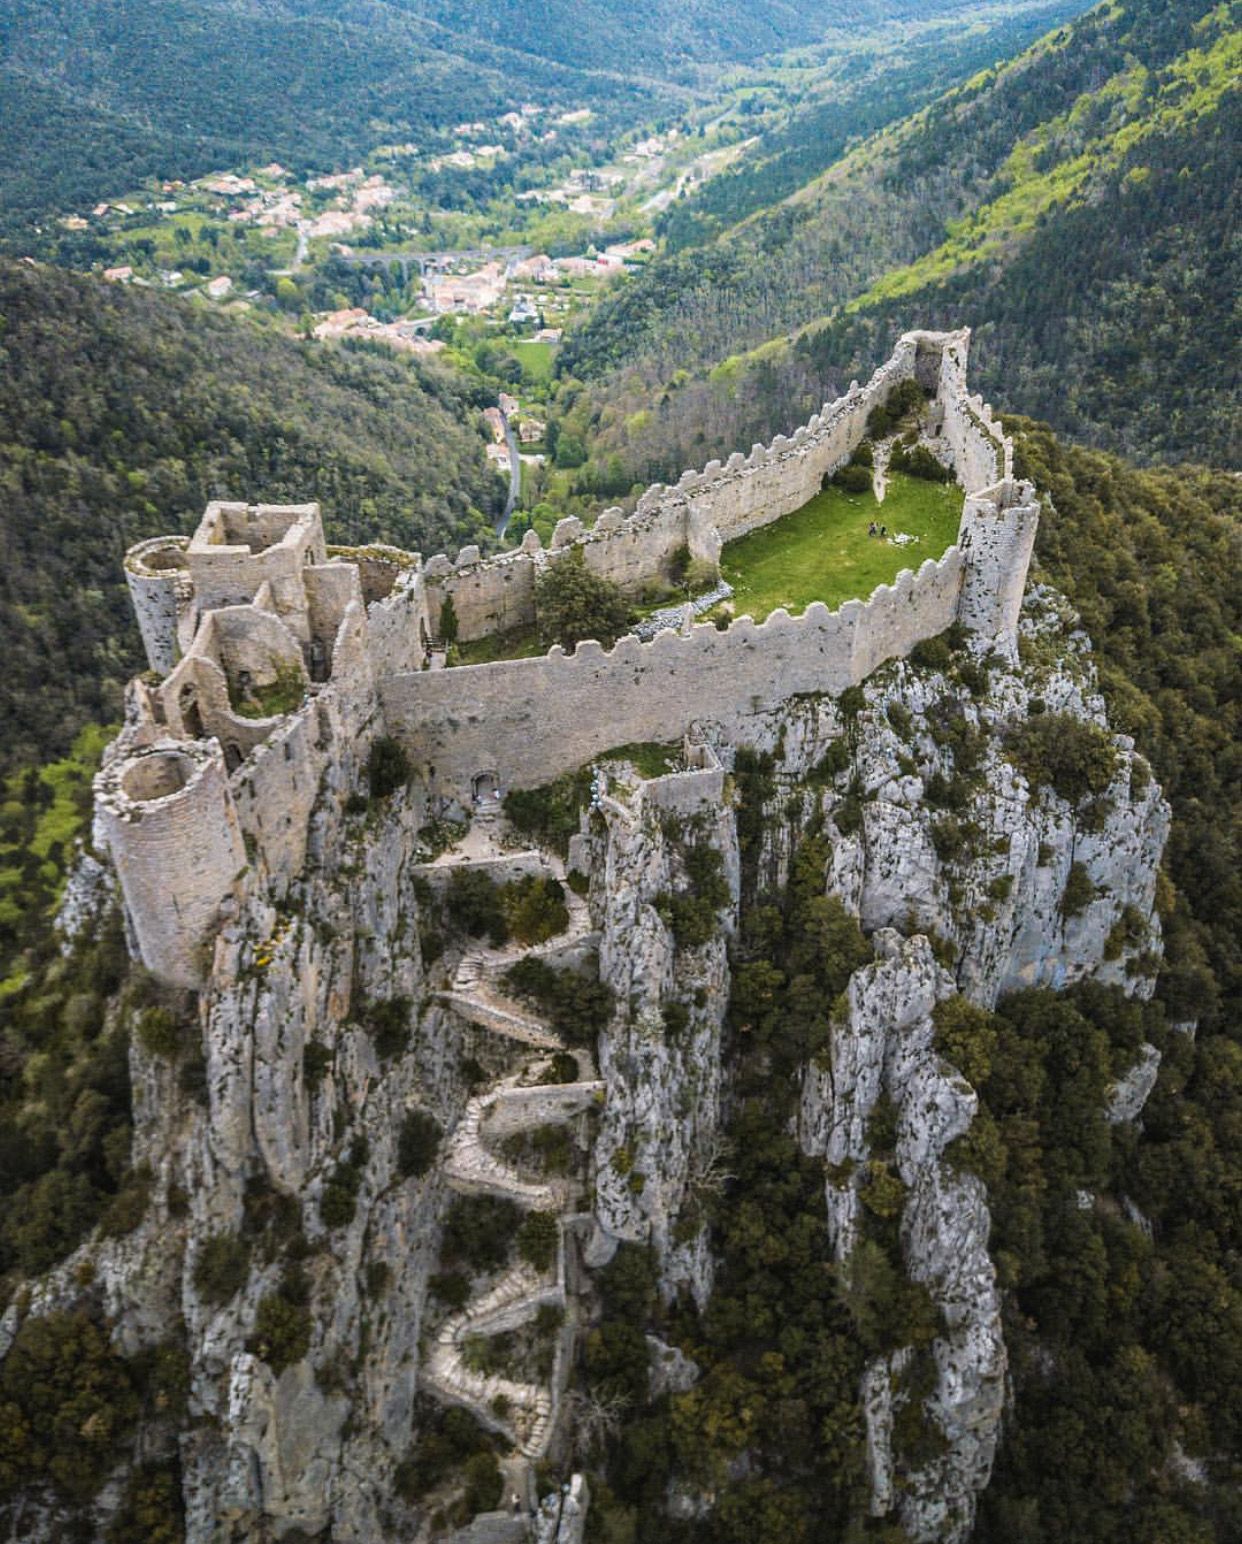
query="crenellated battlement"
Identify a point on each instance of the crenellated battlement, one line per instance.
(528, 720)
(279, 659)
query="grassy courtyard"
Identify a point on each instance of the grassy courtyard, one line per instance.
(823, 552)
(517, 643)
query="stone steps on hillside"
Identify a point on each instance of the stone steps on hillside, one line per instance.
(472, 1170)
(514, 1105)
(471, 1166)
(527, 1420)
(501, 1020)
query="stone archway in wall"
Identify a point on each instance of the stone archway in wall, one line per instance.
(485, 789)
(191, 717)
(233, 757)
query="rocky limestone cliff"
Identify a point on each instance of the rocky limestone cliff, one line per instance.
(940, 837)
(659, 1133)
(969, 876)
(884, 1046)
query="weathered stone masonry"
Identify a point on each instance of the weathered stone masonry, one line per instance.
(532, 719)
(256, 604)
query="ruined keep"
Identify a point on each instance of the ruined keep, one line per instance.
(282, 651)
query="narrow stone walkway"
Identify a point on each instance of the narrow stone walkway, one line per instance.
(473, 1169)
(879, 469)
(525, 1412)
(503, 1019)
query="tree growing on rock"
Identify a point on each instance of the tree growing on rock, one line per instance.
(572, 603)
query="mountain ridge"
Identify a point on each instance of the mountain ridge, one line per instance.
(934, 217)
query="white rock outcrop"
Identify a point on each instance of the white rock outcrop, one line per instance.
(661, 1120)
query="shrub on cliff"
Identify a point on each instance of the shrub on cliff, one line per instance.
(448, 622)
(1079, 891)
(478, 1231)
(159, 1033)
(576, 1005)
(851, 478)
(449, 1441)
(692, 915)
(918, 461)
(151, 1510)
(388, 767)
(572, 603)
(221, 1267)
(966, 1037)
(534, 908)
(418, 1143)
(283, 1324)
(339, 1200)
(537, 1239)
(474, 904)
(1072, 757)
(388, 1023)
(904, 398)
(551, 814)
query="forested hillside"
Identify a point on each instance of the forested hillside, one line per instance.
(1078, 205)
(851, 99)
(124, 412)
(95, 97)
(659, 36)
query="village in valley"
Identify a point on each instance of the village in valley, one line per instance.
(480, 248)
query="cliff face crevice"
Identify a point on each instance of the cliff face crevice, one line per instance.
(660, 1055)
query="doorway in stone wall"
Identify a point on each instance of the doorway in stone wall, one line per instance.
(191, 718)
(486, 789)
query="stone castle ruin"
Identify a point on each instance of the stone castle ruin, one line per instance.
(276, 660)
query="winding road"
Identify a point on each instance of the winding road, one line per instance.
(515, 475)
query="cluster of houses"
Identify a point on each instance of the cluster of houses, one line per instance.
(480, 292)
(530, 431)
(405, 335)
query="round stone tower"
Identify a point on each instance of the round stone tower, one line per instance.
(167, 817)
(158, 575)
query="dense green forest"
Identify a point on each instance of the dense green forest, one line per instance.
(659, 37)
(94, 97)
(1079, 205)
(856, 96)
(124, 412)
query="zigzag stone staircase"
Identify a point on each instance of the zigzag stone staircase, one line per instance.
(525, 1413)
(509, 1303)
